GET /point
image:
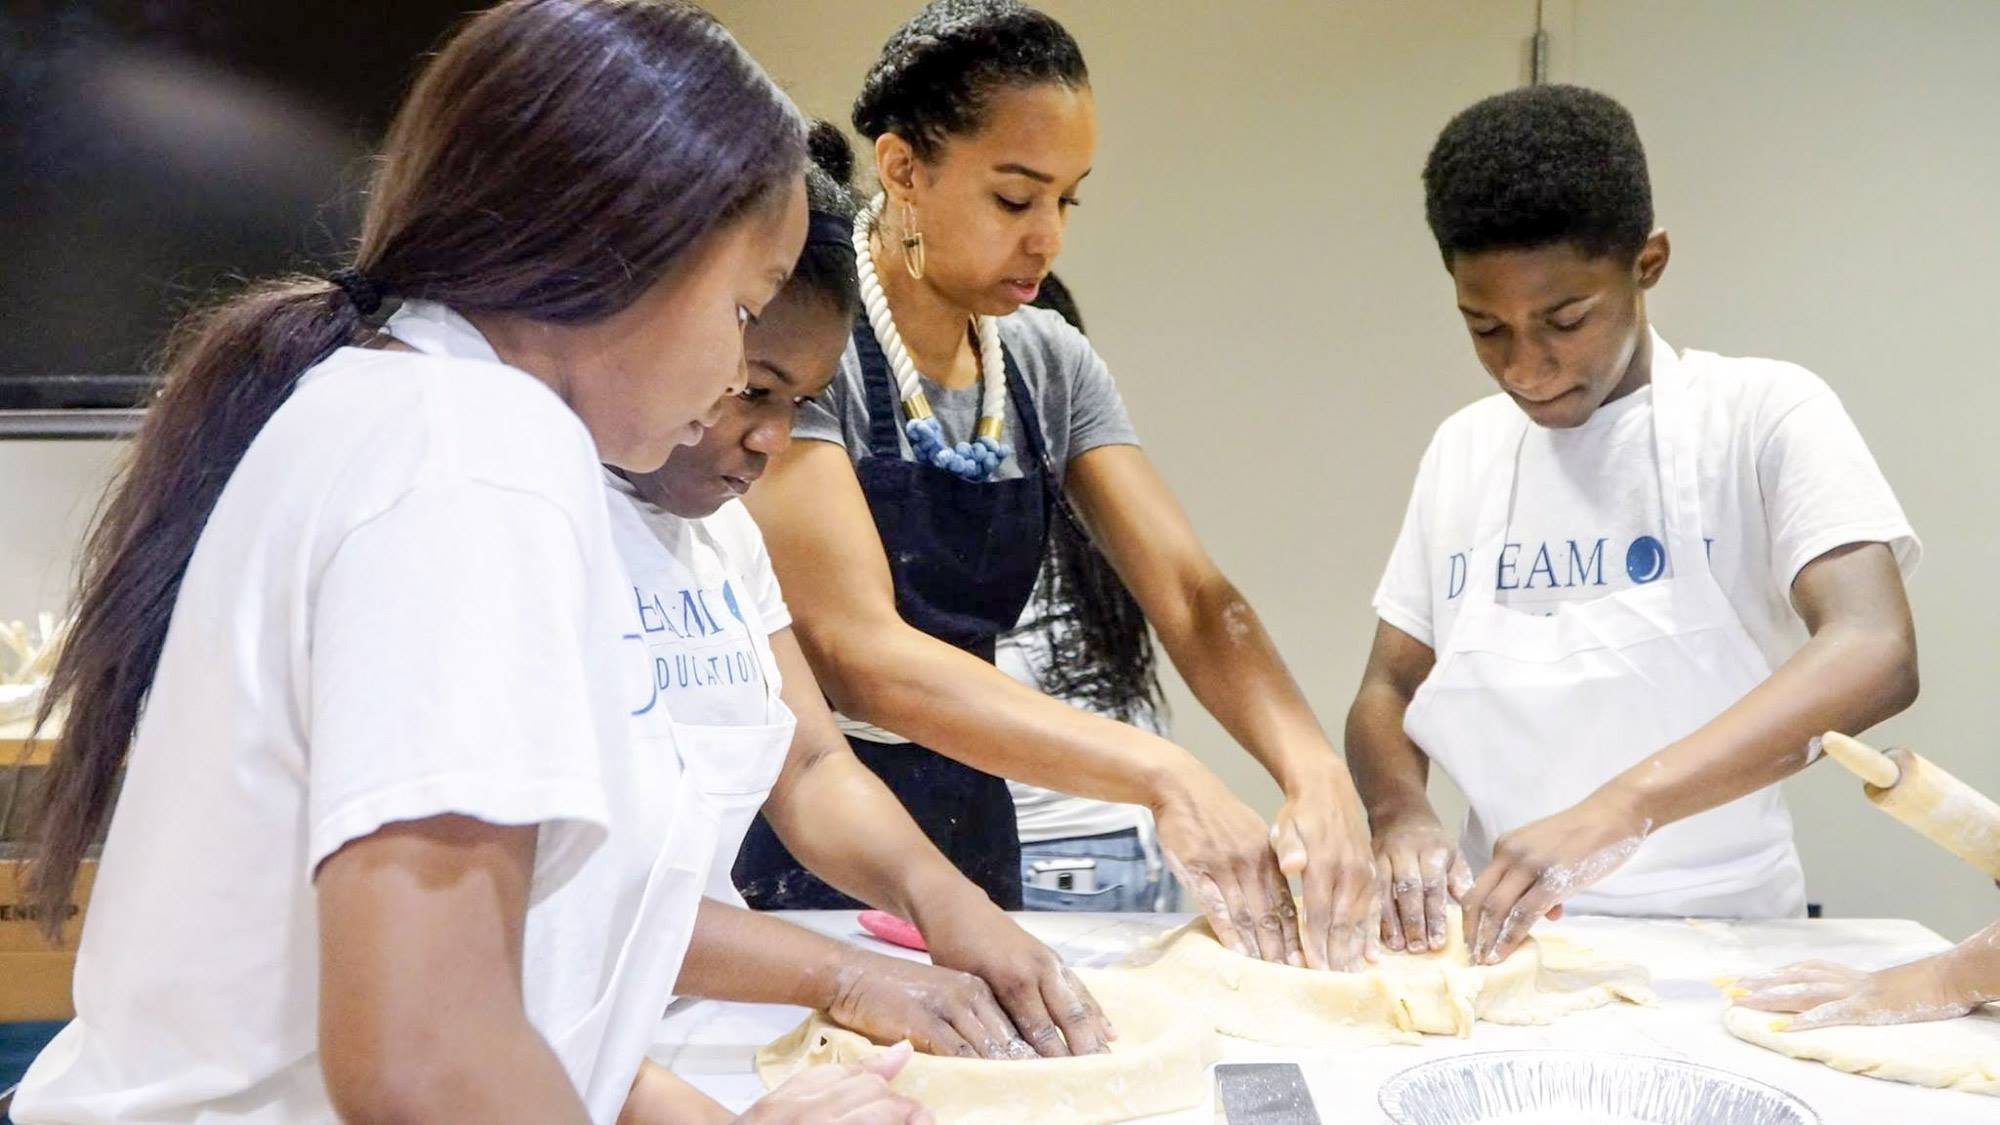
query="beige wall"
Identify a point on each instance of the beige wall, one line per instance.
(1831, 172)
(1252, 259)
(48, 491)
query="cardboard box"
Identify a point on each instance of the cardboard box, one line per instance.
(35, 974)
(35, 986)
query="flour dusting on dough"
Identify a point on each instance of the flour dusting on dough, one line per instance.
(1398, 999)
(1955, 1054)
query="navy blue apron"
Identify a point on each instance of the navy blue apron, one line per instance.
(964, 557)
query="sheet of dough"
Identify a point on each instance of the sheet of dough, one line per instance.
(1958, 1054)
(1158, 1064)
(1399, 998)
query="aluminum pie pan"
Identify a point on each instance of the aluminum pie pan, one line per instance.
(1581, 1088)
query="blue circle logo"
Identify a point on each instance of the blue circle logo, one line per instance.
(1645, 560)
(729, 599)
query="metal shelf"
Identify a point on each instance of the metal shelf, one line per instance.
(68, 425)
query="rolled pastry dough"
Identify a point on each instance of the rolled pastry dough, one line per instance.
(1956, 1054)
(1158, 1064)
(1401, 996)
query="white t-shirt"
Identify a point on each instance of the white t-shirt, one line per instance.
(406, 603)
(691, 581)
(1785, 478)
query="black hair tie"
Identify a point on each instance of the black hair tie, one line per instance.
(365, 294)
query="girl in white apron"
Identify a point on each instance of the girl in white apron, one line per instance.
(1597, 617)
(715, 650)
(385, 845)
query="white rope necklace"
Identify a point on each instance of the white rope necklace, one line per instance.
(978, 459)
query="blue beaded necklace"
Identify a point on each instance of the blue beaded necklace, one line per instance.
(976, 460)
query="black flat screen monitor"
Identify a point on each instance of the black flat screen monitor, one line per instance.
(154, 152)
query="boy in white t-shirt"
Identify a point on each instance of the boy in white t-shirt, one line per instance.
(1630, 588)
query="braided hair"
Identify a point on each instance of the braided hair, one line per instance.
(936, 76)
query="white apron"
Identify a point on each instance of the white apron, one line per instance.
(1530, 714)
(725, 774)
(718, 778)
(746, 756)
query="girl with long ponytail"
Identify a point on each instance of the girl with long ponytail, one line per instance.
(348, 683)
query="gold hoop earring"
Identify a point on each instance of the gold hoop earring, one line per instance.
(913, 242)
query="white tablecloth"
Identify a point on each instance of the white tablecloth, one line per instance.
(711, 1044)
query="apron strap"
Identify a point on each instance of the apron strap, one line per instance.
(1024, 406)
(1676, 443)
(1482, 560)
(884, 434)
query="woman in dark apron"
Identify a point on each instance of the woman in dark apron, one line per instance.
(965, 440)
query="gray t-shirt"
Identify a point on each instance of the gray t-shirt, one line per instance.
(1075, 399)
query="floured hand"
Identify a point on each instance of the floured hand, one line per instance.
(1422, 869)
(1052, 1010)
(1220, 850)
(942, 1011)
(1538, 866)
(857, 1093)
(1826, 994)
(1321, 837)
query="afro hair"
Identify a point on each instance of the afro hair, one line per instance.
(1538, 166)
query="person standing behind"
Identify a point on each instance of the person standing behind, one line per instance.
(909, 523)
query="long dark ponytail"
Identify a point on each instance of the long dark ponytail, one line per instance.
(553, 161)
(1100, 653)
(1100, 648)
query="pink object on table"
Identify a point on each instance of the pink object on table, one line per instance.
(892, 929)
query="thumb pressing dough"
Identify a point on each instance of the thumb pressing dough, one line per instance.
(1395, 1000)
(1158, 1064)
(1955, 1054)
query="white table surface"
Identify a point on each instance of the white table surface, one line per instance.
(711, 1044)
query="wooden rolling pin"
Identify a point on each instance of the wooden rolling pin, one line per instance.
(1954, 815)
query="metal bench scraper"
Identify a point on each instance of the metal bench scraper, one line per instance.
(1263, 1094)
